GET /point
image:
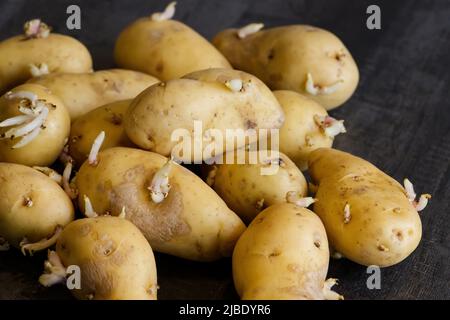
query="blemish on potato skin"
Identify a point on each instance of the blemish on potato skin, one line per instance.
(160, 67)
(28, 202)
(275, 253)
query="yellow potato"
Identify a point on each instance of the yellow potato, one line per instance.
(220, 99)
(300, 58)
(32, 207)
(84, 92)
(175, 210)
(283, 255)
(84, 130)
(306, 128)
(368, 217)
(165, 48)
(247, 188)
(114, 259)
(34, 126)
(58, 52)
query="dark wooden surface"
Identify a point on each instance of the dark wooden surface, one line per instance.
(399, 119)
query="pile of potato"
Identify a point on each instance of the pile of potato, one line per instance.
(74, 142)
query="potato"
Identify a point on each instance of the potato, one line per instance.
(165, 48)
(34, 126)
(220, 99)
(175, 210)
(53, 52)
(107, 118)
(115, 260)
(306, 128)
(33, 208)
(367, 215)
(247, 189)
(301, 58)
(283, 255)
(84, 92)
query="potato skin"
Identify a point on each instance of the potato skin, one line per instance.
(242, 186)
(50, 205)
(61, 54)
(300, 134)
(85, 129)
(283, 56)
(192, 222)
(165, 49)
(84, 92)
(115, 260)
(384, 227)
(283, 255)
(201, 96)
(47, 146)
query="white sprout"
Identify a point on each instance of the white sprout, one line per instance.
(315, 90)
(160, 186)
(328, 293)
(347, 214)
(66, 181)
(211, 178)
(330, 126)
(29, 127)
(65, 157)
(411, 195)
(4, 245)
(235, 85)
(93, 155)
(249, 29)
(28, 138)
(88, 209)
(36, 29)
(27, 95)
(295, 198)
(52, 174)
(409, 188)
(336, 255)
(123, 213)
(39, 69)
(167, 14)
(15, 121)
(423, 202)
(54, 270)
(260, 204)
(25, 246)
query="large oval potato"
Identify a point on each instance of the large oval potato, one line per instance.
(165, 48)
(283, 255)
(32, 207)
(307, 127)
(84, 130)
(115, 260)
(367, 214)
(301, 58)
(220, 99)
(247, 189)
(190, 221)
(58, 52)
(34, 126)
(83, 92)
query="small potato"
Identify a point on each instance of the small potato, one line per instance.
(115, 260)
(217, 99)
(306, 59)
(283, 255)
(306, 128)
(54, 52)
(33, 208)
(84, 130)
(175, 210)
(34, 126)
(165, 48)
(84, 92)
(367, 214)
(247, 189)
